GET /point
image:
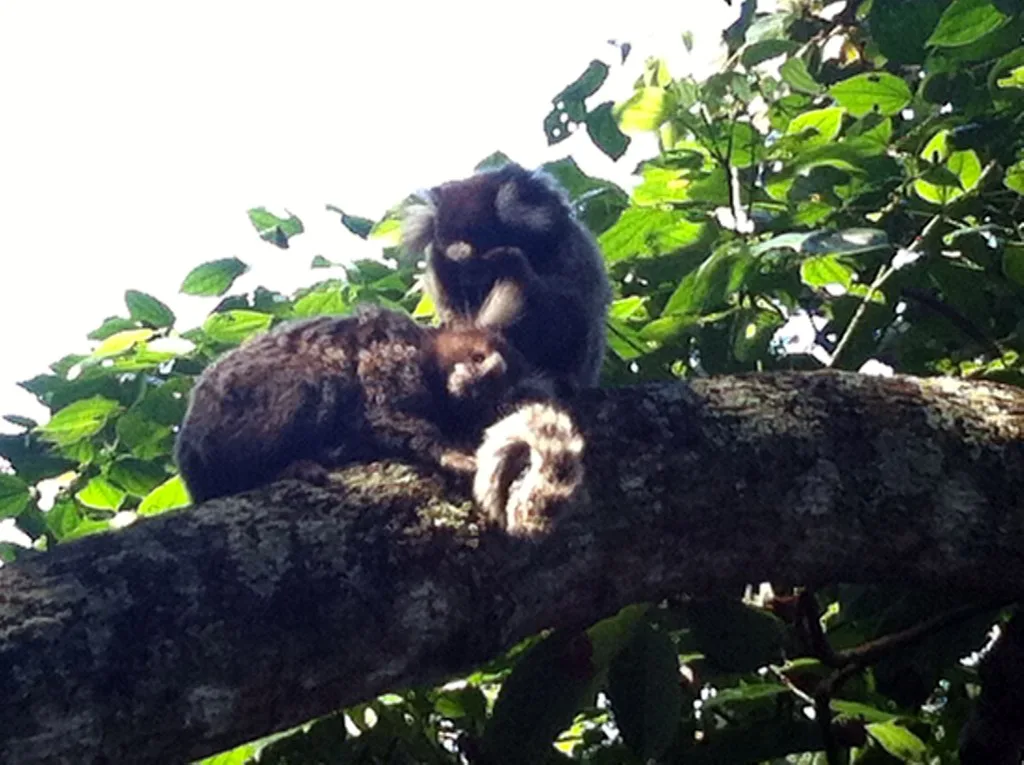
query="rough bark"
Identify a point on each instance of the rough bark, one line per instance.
(192, 632)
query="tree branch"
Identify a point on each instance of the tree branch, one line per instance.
(195, 631)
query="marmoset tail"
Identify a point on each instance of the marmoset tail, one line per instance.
(529, 465)
(503, 250)
(333, 390)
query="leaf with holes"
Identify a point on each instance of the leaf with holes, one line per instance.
(879, 92)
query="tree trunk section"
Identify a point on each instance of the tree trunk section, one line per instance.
(190, 633)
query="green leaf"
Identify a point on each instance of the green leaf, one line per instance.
(899, 742)
(736, 637)
(63, 518)
(147, 309)
(1014, 177)
(169, 495)
(964, 165)
(319, 261)
(1015, 78)
(145, 438)
(121, 342)
(901, 29)
(644, 690)
(879, 92)
(762, 50)
(328, 301)
(361, 227)
(721, 274)
(135, 476)
(604, 131)
(110, 326)
(1013, 262)
(821, 126)
(78, 420)
(213, 278)
(626, 308)
(647, 231)
(14, 496)
(101, 494)
(610, 636)
(570, 104)
(754, 330)
(645, 110)
(460, 703)
(798, 76)
(827, 269)
(273, 229)
(965, 21)
(863, 711)
(232, 327)
(22, 422)
(547, 687)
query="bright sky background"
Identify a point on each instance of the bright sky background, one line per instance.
(136, 135)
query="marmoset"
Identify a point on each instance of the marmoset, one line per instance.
(334, 390)
(503, 250)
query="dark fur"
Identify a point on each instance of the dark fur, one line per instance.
(333, 390)
(504, 250)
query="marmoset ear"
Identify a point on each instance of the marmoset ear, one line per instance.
(419, 221)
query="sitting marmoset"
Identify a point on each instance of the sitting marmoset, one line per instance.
(504, 250)
(319, 393)
(334, 390)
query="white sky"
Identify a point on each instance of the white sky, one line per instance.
(135, 135)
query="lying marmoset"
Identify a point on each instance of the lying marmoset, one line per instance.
(332, 390)
(504, 250)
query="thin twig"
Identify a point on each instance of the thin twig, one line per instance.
(888, 270)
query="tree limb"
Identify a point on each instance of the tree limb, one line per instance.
(192, 632)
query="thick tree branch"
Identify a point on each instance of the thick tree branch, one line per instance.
(192, 632)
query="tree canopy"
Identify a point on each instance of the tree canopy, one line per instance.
(844, 193)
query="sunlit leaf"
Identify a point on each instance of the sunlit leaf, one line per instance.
(818, 126)
(78, 420)
(965, 21)
(234, 326)
(879, 92)
(169, 495)
(101, 494)
(121, 342)
(645, 110)
(1014, 177)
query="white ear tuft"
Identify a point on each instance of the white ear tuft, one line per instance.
(418, 225)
